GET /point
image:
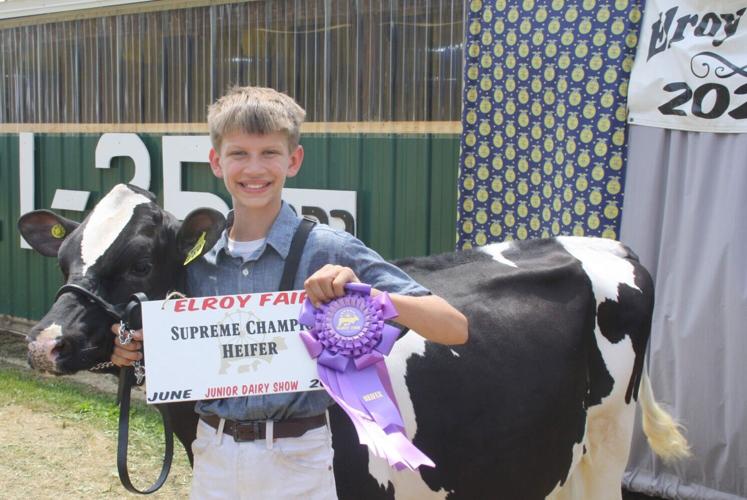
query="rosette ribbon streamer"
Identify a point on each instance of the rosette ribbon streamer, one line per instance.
(349, 338)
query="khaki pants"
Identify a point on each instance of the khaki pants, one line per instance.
(264, 469)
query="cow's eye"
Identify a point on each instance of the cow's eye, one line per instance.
(141, 268)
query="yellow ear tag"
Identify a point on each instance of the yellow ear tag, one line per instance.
(58, 231)
(196, 250)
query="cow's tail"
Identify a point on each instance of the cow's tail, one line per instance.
(664, 433)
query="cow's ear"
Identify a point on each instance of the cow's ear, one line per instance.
(200, 230)
(45, 230)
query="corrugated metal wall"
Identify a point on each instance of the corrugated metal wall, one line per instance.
(349, 63)
(405, 185)
(343, 60)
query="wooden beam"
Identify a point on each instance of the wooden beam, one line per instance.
(442, 127)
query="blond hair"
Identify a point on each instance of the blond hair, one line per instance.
(255, 110)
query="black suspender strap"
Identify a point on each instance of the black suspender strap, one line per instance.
(294, 254)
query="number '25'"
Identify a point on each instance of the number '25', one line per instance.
(719, 106)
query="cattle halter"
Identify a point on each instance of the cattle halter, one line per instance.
(118, 312)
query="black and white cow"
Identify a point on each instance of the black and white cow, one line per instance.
(127, 243)
(539, 403)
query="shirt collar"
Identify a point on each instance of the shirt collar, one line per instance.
(279, 237)
(282, 230)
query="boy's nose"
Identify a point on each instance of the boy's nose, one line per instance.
(251, 163)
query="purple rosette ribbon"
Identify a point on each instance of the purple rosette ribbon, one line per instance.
(349, 338)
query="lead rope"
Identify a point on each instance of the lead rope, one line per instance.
(126, 376)
(126, 335)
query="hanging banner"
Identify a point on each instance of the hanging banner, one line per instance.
(544, 118)
(690, 71)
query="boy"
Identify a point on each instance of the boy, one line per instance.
(255, 137)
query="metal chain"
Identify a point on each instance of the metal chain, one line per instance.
(101, 366)
(125, 334)
(139, 372)
(125, 337)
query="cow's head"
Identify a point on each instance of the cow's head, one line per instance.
(127, 244)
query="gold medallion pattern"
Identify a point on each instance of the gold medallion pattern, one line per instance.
(544, 146)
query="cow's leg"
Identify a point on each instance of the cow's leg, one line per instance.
(610, 436)
(598, 474)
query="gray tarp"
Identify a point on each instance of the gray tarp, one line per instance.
(684, 214)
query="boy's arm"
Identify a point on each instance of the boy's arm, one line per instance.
(429, 315)
(432, 317)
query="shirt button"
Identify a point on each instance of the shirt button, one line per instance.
(245, 272)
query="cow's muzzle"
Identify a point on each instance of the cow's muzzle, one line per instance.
(44, 350)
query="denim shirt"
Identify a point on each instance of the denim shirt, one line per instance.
(218, 273)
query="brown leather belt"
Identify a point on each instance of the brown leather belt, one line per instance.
(249, 431)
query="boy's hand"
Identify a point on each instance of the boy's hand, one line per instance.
(126, 354)
(328, 283)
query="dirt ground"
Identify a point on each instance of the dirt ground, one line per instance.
(47, 455)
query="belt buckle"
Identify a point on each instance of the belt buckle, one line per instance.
(246, 431)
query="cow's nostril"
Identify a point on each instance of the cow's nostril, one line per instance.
(62, 348)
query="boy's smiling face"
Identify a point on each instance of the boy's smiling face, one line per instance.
(254, 167)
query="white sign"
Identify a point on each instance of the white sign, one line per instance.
(225, 346)
(691, 67)
(334, 207)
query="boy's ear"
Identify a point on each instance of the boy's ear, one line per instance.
(215, 163)
(296, 158)
(198, 233)
(45, 231)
